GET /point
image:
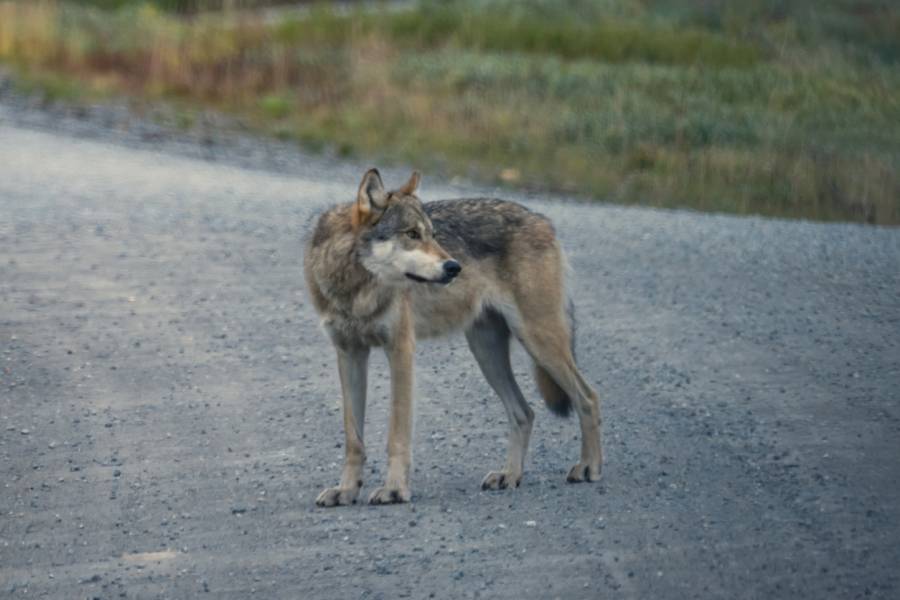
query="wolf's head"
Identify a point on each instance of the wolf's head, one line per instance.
(397, 237)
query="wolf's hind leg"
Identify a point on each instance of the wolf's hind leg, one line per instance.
(548, 340)
(488, 339)
(353, 366)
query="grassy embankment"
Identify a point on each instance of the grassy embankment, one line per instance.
(786, 109)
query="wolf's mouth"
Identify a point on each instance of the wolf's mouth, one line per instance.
(443, 280)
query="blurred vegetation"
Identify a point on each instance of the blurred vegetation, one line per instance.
(769, 107)
(189, 6)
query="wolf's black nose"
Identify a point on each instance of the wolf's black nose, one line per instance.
(451, 269)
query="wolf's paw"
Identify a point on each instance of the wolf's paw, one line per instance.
(390, 495)
(337, 496)
(500, 480)
(582, 472)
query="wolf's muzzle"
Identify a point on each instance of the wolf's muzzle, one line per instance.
(451, 270)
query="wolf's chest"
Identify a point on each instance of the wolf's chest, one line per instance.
(367, 328)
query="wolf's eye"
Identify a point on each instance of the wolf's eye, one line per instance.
(413, 234)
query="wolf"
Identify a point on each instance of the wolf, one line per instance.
(387, 269)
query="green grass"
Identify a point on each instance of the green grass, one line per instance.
(784, 109)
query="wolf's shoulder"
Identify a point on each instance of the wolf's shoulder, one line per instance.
(483, 227)
(479, 208)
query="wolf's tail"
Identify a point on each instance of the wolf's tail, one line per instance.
(556, 398)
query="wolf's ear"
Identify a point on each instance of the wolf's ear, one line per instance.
(409, 188)
(370, 200)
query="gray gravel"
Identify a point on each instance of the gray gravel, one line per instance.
(169, 408)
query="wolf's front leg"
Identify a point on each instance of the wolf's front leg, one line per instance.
(353, 365)
(400, 355)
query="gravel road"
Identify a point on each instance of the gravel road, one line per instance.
(169, 408)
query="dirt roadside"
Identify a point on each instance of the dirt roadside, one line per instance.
(169, 408)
